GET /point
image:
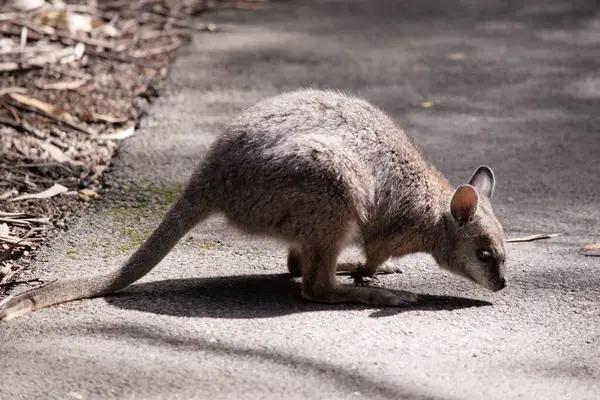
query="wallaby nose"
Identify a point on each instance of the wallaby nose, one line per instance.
(502, 283)
(499, 284)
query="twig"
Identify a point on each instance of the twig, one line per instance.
(37, 165)
(8, 16)
(79, 75)
(15, 214)
(12, 110)
(26, 221)
(8, 277)
(55, 118)
(157, 50)
(41, 30)
(30, 49)
(62, 55)
(12, 89)
(171, 32)
(180, 23)
(19, 241)
(22, 126)
(22, 281)
(108, 56)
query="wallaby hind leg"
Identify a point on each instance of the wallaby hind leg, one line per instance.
(319, 283)
(294, 262)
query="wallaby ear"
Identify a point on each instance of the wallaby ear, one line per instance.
(484, 181)
(464, 203)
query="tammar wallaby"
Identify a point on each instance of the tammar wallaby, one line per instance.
(320, 170)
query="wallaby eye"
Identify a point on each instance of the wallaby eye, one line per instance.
(484, 255)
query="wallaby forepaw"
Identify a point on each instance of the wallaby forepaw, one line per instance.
(363, 280)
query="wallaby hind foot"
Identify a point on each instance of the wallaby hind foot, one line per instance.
(369, 295)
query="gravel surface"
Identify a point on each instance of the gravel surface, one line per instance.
(509, 85)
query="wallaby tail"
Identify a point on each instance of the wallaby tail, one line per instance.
(184, 214)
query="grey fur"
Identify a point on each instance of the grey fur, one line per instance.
(319, 170)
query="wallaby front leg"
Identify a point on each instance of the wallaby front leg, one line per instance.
(294, 265)
(376, 260)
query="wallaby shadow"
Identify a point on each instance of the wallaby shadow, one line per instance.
(250, 296)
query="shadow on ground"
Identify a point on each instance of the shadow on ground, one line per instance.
(250, 296)
(350, 381)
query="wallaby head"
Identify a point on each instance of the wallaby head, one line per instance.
(474, 245)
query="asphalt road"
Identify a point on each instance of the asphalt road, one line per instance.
(515, 85)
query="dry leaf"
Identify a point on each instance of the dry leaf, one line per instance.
(27, 5)
(79, 23)
(4, 231)
(71, 21)
(109, 30)
(456, 56)
(35, 103)
(8, 194)
(56, 153)
(9, 66)
(530, 238)
(591, 250)
(125, 133)
(53, 191)
(62, 85)
(12, 89)
(89, 192)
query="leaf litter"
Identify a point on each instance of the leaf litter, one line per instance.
(75, 77)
